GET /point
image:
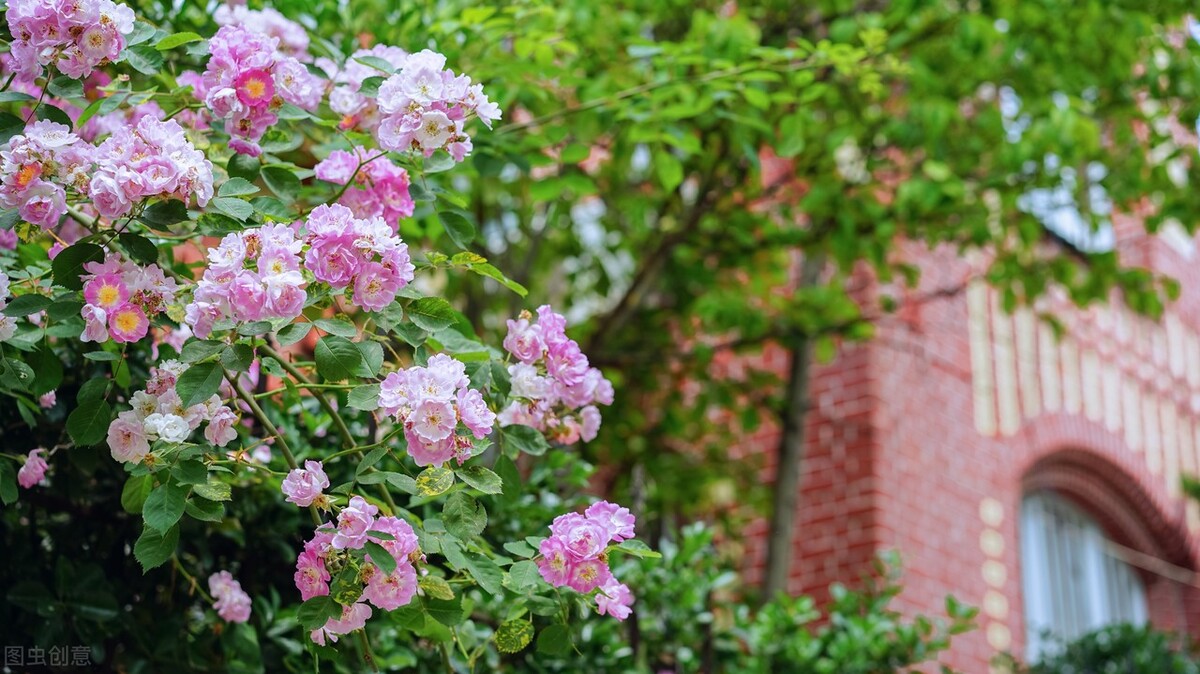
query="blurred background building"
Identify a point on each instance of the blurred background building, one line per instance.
(1034, 476)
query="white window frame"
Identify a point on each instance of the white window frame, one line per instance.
(1070, 580)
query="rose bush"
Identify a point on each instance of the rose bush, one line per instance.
(210, 313)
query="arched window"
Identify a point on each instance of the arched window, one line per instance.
(1071, 581)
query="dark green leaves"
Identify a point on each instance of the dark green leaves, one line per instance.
(293, 333)
(237, 187)
(163, 214)
(238, 209)
(26, 304)
(176, 40)
(463, 516)
(141, 249)
(164, 506)
(283, 182)
(315, 612)
(88, 423)
(154, 548)
(525, 439)
(364, 397)
(65, 87)
(68, 265)
(459, 227)
(554, 640)
(481, 478)
(143, 59)
(381, 557)
(198, 383)
(337, 357)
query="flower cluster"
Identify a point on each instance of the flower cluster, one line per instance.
(357, 109)
(425, 105)
(33, 470)
(246, 81)
(360, 582)
(379, 189)
(230, 601)
(575, 555)
(76, 36)
(36, 165)
(152, 159)
(303, 486)
(554, 388)
(8, 324)
(121, 297)
(431, 402)
(345, 251)
(293, 39)
(252, 275)
(158, 414)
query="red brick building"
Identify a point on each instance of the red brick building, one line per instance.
(1035, 478)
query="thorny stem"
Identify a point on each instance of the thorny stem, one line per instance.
(366, 646)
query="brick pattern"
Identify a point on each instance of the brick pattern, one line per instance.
(925, 440)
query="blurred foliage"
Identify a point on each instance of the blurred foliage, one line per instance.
(1116, 650)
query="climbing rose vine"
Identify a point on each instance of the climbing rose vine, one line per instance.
(246, 326)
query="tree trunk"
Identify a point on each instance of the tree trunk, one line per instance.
(790, 452)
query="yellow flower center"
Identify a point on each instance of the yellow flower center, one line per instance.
(126, 321)
(108, 296)
(256, 87)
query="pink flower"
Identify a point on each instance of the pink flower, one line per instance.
(127, 438)
(220, 430)
(475, 413)
(231, 603)
(48, 400)
(426, 453)
(33, 470)
(303, 486)
(555, 564)
(584, 538)
(107, 291)
(353, 618)
(393, 591)
(404, 539)
(375, 287)
(254, 87)
(354, 522)
(312, 578)
(44, 205)
(128, 323)
(614, 599)
(617, 521)
(587, 575)
(95, 322)
(433, 420)
(524, 340)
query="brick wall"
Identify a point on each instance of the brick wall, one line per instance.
(925, 440)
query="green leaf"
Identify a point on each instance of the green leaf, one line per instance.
(487, 574)
(254, 328)
(376, 63)
(237, 358)
(433, 481)
(68, 264)
(431, 313)
(490, 271)
(370, 86)
(637, 549)
(520, 549)
(102, 356)
(204, 510)
(381, 557)
(199, 349)
(459, 227)
(481, 478)
(463, 516)
(243, 166)
(526, 439)
(372, 353)
(145, 60)
(27, 304)
(293, 333)
(8, 482)
(190, 471)
(65, 87)
(88, 423)
(235, 208)
(314, 613)
(141, 249)
(339, 327)
(163, 214)
(523, 575)
(154, 548)
(436, 587)
(214, 490)
(10, 125)
(54, 114)
(237, 187)
(449, 612)
(364, 397)
(337, 358)
(64, 309)
(669, 170)
(513, 635)
(13, 96)
(176, 40)
(283, 182)
(48, 369)
(198, 383)
(554, 640)
(135, 491)
(164, 505)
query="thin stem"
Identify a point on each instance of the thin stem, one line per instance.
(366, 646)
(191, 579)
(270, 428)
(345, 187)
